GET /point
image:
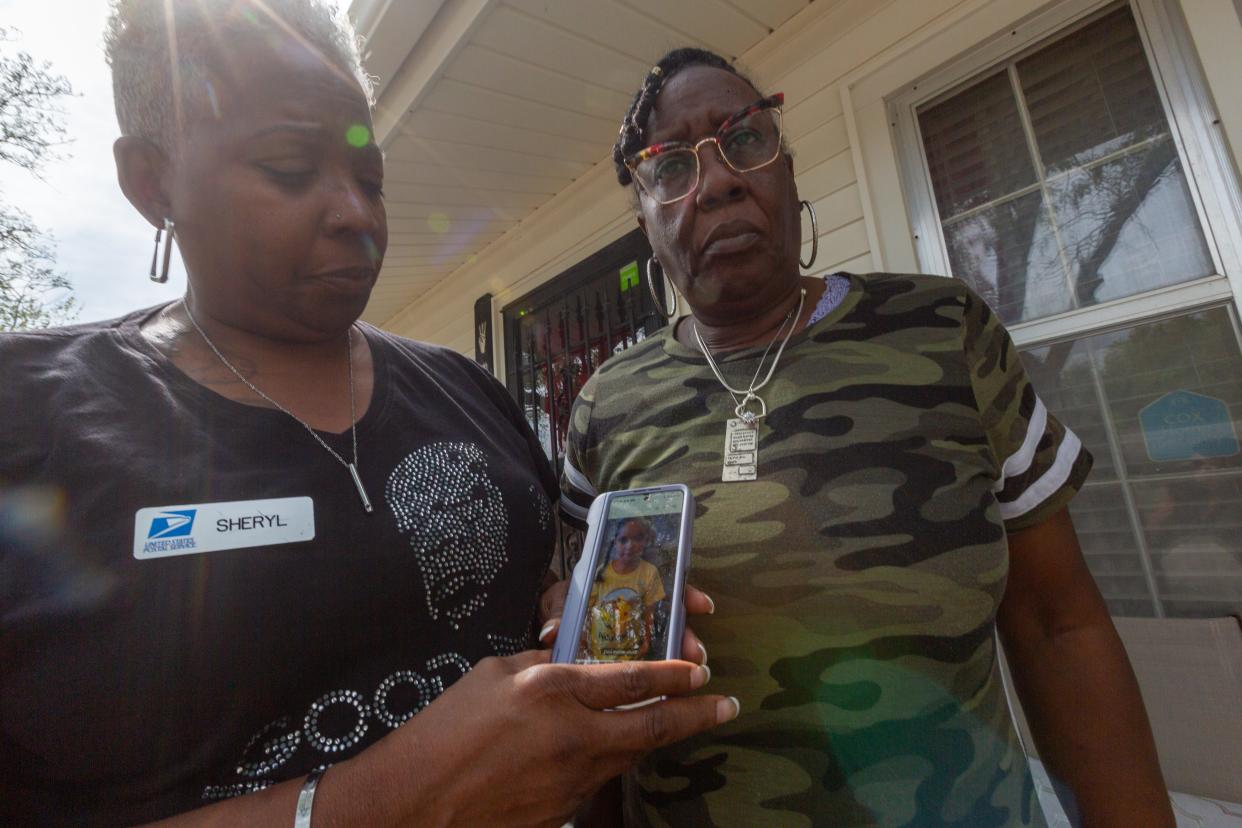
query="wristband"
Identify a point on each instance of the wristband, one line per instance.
(306, 799)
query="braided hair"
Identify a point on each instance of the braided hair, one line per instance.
(630, 139)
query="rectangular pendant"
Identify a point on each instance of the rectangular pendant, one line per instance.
(741, 451)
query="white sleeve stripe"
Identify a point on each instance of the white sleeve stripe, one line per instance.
(573, 509)
(1020, 461)
(578, 480)
(1049, 483)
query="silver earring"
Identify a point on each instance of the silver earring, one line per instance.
(659, 304)
(167, 232)
(806, 205)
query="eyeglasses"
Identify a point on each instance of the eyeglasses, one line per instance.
(747, 140)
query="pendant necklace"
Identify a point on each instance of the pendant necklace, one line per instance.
(353, 415)
(741, 450)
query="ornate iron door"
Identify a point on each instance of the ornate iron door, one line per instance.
(559, 334)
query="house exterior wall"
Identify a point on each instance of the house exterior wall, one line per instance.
(836, 62)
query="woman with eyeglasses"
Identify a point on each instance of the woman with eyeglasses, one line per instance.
(261, 563)
(880, 491)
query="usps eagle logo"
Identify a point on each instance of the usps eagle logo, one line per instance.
(175, 523)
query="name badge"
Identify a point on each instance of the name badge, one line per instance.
(165, 531)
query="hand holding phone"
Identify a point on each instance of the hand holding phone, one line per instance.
(626, 594)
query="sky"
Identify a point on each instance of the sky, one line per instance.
(102, 244)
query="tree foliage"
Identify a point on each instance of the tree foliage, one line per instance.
(33, 294)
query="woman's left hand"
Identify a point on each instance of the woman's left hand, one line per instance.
(552, 606)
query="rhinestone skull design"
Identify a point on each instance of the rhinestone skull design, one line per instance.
(454, 516)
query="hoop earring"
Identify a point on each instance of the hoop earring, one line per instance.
(806, 205)
(659, 304)
(169, 227)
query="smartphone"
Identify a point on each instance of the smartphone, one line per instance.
(625, 598)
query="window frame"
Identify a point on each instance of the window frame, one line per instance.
(1200, 143)
(1193, 125)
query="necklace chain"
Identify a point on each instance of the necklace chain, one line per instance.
(353, 413)
(751, 392)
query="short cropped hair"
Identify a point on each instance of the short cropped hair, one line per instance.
(153, 44)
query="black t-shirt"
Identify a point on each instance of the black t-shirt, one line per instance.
(194, 603)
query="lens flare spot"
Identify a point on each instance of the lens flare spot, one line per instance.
(439, 223)
(358, 135)
(373, 254)
(212, 99)
(31, 515)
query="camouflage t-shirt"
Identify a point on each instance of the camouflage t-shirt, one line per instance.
(857, 579)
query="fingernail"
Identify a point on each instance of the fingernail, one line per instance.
(547, 629)
(703, 650)
(727, 709)
(702, 675)
(710, 603)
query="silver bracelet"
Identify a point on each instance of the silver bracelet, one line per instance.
(306, 799)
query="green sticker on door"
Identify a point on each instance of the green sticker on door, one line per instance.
(629, 276)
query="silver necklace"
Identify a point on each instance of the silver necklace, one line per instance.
(741, 451)
(353, 414)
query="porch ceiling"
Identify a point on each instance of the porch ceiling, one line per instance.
(489, 108)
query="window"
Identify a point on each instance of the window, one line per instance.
(1056, 183)
(1160, 407)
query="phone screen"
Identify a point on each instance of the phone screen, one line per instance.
(628, 609)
